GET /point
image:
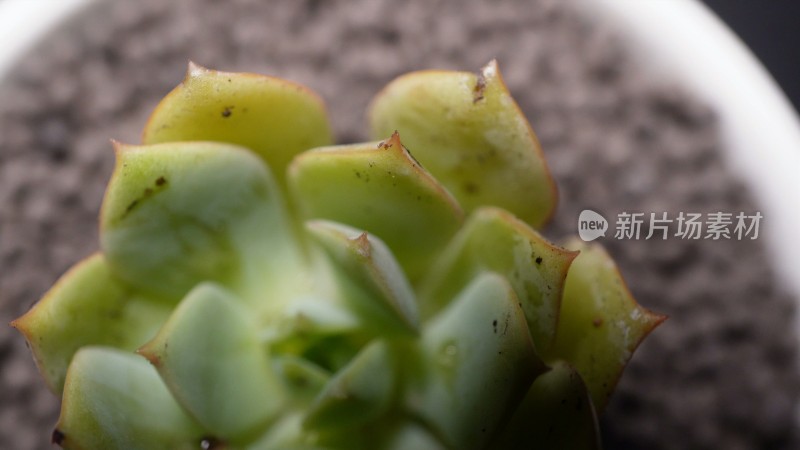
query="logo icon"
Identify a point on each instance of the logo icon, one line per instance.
(591, 225)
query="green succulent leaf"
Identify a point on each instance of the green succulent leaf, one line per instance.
(372, 279)
(494, 240)
(410, 435)
(477, 360)
(286, 434)
(304, 378)
(209, 355)
(315, 316)
(556, 413)
(381, 188)
(178, 214)
(471, 135)
(114, 400)
(600, 324)
(359, 392)
(275, 118)
(87, 306)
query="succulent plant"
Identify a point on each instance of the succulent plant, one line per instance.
(259, 288)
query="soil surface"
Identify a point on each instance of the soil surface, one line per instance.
(721, 373)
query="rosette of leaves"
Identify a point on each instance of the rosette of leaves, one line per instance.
(260, 288)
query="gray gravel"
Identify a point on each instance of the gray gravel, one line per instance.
(720, 374)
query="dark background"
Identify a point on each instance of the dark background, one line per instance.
(771, 29)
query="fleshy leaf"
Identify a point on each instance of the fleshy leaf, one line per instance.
(359, 392)
(370, 276)
(178, 214)
(600, 324)
(556, 413)
(381, 188)
(471, 135)
(493, 239)
(209, 355)
(411, 436)
(304, 378)
(114, 400)
(316, 316)
(275, 118)
(286, 434)
(87, 306)
(477, 361)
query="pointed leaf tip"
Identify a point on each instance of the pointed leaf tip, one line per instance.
(86, 306)
(393, 142)
(484, 77)
(601, 324)
(363, 245)
(195, 70)
(117, 145)
(149, 351)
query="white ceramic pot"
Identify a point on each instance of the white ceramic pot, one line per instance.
(682, 40)
(24, 22)
(685, 42)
